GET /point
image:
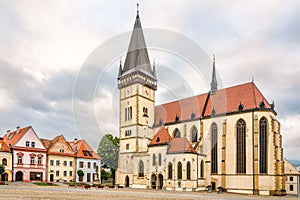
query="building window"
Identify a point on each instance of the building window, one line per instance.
(65, 163)
(70, 173)
(39, 161)
(291, 187)
(32, 144)
(89, 165)
(179, 170)
(57, 163)
(170, 171)
(71, 163)
(145, 112)
(263, 145)
(57, 173)
(127, 146)
(194, 134)
(4, 161)
(202, 169)
(188, 170)
(141, 169)
(241, 146)
(153, 160)
(128, 113)
(61, 150)
(27, 143)
(128, 133)
(51, 162)
(176, 133)
(291, 178)
(214, 148)
(32, 160)
(65, 173)
(20, 159)
(80, 164)
(159, 159)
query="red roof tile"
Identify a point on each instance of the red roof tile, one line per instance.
(50, 143)
(180, 145)
(228, 99)
(83, 150)
(223, 101)
(46, 143)
(4, 146)
(183, 108)
(13, 137)
(161, 137)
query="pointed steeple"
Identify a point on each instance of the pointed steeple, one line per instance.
(154, 70)
(214, 83)
(120, 68)
(137, 55)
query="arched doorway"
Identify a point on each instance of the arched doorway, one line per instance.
(160, 181)
(126, 181)
(4, 177)
(19, 176)
(153, 181)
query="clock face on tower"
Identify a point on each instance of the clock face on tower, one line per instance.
(146, 92)
(128, 92)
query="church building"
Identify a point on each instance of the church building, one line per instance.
(226, 138)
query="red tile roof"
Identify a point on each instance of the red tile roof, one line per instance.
(180, 145)
(13, 137)
(50, 143)
(223, 101)
(228, 99)
(83, 150)
(161, 137)
(4, 146)
(183, 108)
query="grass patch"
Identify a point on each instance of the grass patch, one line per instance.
(44, 184)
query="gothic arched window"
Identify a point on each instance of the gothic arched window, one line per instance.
(153, 159)
(188, 170)
(176, 133)
(159, 159)
(202, 169)
(194, 134)
(141, 169)
(263, 145)
(179, 170)
(241, 146)
(170, 171)
(214, 148)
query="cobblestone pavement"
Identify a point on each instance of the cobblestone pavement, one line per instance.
(20, 191)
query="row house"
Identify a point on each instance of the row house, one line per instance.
(5, 160)
(60, 160)
(28, 155)
(292, 182)
(87, 160)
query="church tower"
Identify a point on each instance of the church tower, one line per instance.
(137, 84)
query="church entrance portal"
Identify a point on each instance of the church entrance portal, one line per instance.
(126, 181)
(160, 181)
(153, 181)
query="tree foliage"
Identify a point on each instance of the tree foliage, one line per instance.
(108, 150)
(2, 170)
(80, 173)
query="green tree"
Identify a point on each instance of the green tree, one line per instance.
(80, 173)
(108, 150)
(2, 170)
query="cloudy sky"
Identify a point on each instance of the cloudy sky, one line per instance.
(46, 48)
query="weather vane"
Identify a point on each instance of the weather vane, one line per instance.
(137, 7)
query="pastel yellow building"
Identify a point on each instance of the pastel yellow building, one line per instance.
(6, 161)
(60, 160)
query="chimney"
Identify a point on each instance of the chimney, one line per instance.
(8, 131)
(75, 140)
(17, 129)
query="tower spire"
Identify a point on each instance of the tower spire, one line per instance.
(214, 83)
(120, 68)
